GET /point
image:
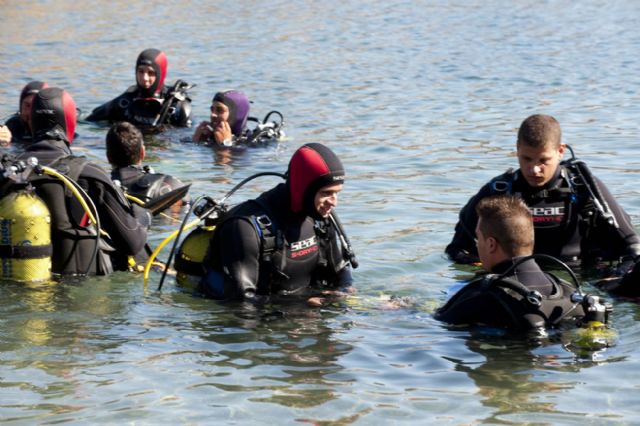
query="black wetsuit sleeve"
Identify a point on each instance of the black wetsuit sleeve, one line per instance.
(462, 248)
(239, 251)
(624, 240)
(109, 111)
(117, 216)
(100, 113)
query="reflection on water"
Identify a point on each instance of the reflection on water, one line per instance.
(515, 377)
(421, 101)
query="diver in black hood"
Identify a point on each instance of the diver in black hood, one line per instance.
(125, 152)
(285, 242)
(149, 103)
(77, 247)
(19, 124)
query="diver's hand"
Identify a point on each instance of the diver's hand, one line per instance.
(203, 132)
(222, 133)
(5, 136)
(328, 296)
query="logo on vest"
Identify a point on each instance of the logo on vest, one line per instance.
(304, 247)
(547, 215)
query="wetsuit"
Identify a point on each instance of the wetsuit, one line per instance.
(140, 106)
(565, 222)
(276, 245)
(493, 303)
(73, 241)
(144, 184)
(140, 111)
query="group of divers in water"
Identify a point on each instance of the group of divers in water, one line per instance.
(288, 243)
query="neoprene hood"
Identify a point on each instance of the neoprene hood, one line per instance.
(53, 115)
(31, 88)
(157, 60)
(238, 105)
(312, 166)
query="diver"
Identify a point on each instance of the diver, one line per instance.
(515, 293)
(149, 104)
(78, 246)
(125, 153)
(286, 242)
(575, 216)
(228, 123)
(19, 124)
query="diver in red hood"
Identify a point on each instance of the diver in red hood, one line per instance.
(77, 250)
(19, 124)
(149, 103)
(285, 242)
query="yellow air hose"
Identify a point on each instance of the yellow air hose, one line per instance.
(153, 256)
(76, 193)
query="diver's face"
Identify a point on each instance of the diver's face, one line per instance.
(145, 76)
(25, 109)
(326, 199)
(539, 165)
(219, 113)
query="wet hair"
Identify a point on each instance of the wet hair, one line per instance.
(508, 220)
(540, 131)
(124, 144)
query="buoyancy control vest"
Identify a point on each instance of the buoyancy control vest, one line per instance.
(283, 267)
(75, 239)
(506, 303)
(501, 300)
(568, 211)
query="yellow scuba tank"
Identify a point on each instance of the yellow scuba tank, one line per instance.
(25, 237)
(188, 262)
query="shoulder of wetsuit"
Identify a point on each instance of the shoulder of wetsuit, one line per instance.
(70, 166)
(502, 184)
(456, 307)
(15, 123)
(94, 172)
(126, 175)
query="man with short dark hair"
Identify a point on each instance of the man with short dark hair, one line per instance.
(575, 217)
(125, 152)
(505, 239)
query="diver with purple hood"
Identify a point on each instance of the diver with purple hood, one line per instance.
(228, 123)
(228, 119)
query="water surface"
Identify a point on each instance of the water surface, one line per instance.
(421, 100)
